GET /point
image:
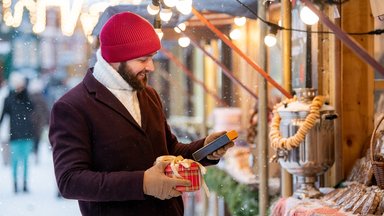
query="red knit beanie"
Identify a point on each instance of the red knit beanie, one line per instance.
(127, 36)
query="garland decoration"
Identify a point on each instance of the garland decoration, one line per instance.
(279, 142)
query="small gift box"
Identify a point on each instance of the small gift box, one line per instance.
(192, 173)
(191, 170)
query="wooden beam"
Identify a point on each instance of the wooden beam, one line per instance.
(347, 40)
(216, 19)
(226, 40)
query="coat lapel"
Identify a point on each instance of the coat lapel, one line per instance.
(106, 97)
(144, 109)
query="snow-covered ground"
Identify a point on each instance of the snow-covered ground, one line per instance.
(42, 198)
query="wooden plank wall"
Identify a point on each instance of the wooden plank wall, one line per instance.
(327, 73)
(357, 83)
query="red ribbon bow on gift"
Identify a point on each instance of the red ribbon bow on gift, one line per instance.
(174, 162)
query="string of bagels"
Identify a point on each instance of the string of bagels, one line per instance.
(288, 143)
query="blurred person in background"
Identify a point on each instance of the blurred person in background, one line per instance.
(18, 106)
(4, 126)
(55, 87)
(107, 131)
(40, 114)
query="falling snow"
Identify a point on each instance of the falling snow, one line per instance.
(42, 199)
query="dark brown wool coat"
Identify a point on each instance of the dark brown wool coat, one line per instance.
(100, 153)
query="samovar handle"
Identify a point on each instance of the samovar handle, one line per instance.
(331, 116)
(280, 154)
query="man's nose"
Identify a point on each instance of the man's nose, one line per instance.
(150, 66)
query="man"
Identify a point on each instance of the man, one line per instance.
(108, 131)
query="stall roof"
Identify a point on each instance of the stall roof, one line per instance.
(230, 7)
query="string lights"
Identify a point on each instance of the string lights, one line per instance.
(170, 3)
(154, 7)
(164, 7)
(182, 41)
(184, 6)
(179, 28)
(278, 27)
(270, 39)
(157, 26)
(70, 13)
(235, 33)
(165, 14)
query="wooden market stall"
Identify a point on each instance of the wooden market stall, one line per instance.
(338, 72)
(345, 69)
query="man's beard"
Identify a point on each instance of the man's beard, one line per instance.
(131, 78)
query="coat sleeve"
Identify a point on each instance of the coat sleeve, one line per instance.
(177, 148)
(70, 136)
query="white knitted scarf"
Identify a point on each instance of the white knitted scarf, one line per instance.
(111, 79)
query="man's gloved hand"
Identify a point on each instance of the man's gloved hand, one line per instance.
(216, 155)
(157, 184)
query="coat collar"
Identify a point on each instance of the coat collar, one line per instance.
(102, 94)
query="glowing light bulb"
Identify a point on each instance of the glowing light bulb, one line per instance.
(270, 40)
(184, 41)
(177, 30)
(308, 16)
(182, 26)
(240, 21)
(159, 33)
(184, 6)
(235, 34)
(165, 14)
(170, 3)
(153, 9)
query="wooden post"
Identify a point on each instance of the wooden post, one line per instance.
(357, 77)
(286, 178)
(262, 128)
(357, 83)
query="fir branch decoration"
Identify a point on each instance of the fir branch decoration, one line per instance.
(241, 200)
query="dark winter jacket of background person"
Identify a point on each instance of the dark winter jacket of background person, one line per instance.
(101, 153)
(19, 108)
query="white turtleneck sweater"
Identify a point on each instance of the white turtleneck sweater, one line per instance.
(111, 79)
